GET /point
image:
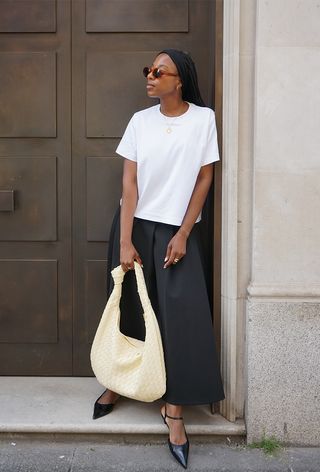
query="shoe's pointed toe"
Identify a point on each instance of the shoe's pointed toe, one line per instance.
(100, 409)
(180, 452)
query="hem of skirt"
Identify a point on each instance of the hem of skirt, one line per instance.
(193, 402)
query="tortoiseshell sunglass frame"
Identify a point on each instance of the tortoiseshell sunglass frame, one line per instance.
(156, 72)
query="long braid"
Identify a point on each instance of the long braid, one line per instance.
(188, 75)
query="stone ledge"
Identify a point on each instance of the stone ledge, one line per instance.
(64, 405)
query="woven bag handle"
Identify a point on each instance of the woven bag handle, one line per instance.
(118, 275)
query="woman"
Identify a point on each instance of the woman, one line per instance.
(169, 150)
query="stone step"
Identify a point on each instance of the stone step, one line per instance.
(64, 405)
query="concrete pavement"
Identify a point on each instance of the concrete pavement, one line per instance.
(63, 455)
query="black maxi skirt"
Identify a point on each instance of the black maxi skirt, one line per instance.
(179, 298)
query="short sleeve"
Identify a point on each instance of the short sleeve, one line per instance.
(211, 151)
(128, 145)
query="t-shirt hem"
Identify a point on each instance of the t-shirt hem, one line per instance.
(211, 161)
(126, 156)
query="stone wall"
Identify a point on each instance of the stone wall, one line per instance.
(283, 306)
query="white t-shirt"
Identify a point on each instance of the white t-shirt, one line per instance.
(168, 163)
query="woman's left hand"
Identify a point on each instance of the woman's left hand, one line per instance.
(176, 249)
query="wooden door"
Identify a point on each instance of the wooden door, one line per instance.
(35, 191)
(70, 79)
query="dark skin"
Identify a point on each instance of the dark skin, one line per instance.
(168, 90)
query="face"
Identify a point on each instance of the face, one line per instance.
(166, 84)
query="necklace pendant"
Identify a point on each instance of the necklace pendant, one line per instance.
(169, 130)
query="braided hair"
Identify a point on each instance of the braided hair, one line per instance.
(188, 75)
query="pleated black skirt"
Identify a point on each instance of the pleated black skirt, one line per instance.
(179, 297)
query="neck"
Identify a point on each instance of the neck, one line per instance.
(173, 106)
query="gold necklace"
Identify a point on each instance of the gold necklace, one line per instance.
(169, 129)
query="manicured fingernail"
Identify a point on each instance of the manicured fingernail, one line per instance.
(166, 259)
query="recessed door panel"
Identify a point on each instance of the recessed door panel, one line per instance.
(138, 15)
(104, 176)
(28, 301)
(33, 182)
(27, 16)
(108, 97)
(28, 94)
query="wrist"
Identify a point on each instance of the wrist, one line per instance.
(184, 232)
(125, 242)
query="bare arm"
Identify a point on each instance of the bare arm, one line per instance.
(128, 253)
(197, 199)
(177, 245)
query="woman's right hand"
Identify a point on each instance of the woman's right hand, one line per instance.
(128, 254)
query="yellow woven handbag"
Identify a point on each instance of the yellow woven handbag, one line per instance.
(129, 366)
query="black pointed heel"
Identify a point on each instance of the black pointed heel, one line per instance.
(179, 451)
(101, 409)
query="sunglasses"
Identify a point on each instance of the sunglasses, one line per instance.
(157, 73)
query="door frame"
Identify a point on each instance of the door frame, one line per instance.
(232, 304)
